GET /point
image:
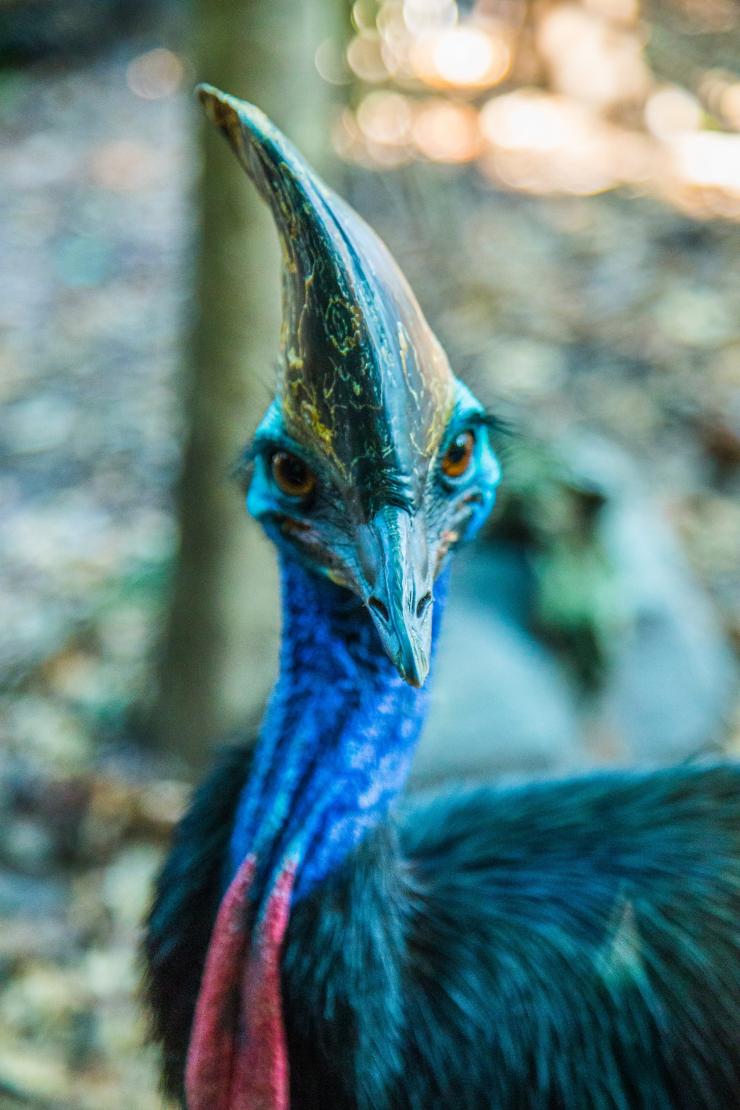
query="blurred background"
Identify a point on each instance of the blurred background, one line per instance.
(560, 179)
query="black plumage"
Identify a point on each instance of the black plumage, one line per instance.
(568, 944)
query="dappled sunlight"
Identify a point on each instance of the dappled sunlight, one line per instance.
(460, 58)
(557, 98)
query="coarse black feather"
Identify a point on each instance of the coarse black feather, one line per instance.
(186, 899)
(568, 945)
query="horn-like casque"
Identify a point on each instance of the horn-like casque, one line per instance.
(363, 380)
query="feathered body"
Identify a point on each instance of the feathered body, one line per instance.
(567, 945)
(318, 943)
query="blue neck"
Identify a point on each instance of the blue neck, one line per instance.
(337, 740)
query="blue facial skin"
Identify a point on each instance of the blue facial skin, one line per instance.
(328, 521)
(344, 718)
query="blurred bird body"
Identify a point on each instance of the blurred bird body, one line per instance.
(315, 944)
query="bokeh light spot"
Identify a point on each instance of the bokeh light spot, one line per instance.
(385, 117)
(155, 75)
(469, 56)
(445, 131)
(671, 111)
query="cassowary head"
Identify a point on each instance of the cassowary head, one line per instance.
(373, 461)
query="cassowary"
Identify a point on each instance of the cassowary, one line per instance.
(317, 942)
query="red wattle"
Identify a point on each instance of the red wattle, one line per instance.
(261, 1078)
(238, 1057)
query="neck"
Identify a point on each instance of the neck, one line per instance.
(334, 751)
(336, 743)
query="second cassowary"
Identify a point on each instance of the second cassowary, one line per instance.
(317, 944)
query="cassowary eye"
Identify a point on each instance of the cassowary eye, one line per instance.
(458, 455)
(291, 475)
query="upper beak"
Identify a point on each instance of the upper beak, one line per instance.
(394, 557)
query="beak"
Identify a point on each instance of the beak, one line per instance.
(394, 557)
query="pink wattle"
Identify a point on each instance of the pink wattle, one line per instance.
(238, 1058)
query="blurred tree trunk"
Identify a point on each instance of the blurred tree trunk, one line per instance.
(220, 645)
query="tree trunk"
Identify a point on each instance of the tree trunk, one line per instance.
(220, 646)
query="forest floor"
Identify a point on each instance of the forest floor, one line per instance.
(611, 312)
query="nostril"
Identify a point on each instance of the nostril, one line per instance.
(423, 605)
(377, 605)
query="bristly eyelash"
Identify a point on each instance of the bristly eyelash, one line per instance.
(241, 471)
(487, 419)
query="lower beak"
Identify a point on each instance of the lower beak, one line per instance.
(394, 558)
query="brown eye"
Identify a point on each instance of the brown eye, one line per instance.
(457, 457)
(292, 475)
